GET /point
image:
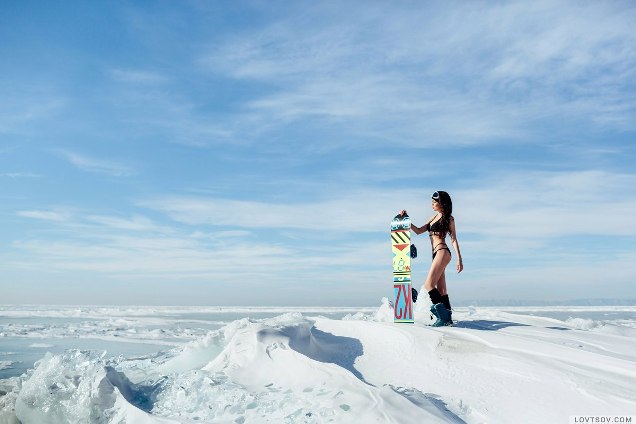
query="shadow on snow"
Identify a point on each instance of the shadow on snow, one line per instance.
(487, 325)
(329, 348)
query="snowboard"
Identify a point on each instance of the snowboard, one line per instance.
(401, 248)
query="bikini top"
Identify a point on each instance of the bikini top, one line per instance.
(438, 228)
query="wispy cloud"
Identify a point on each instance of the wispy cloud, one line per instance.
(44, 215)
(518, 217)
(522, 209)
(511, 65)
(19, 111)
(134, 223)
(524, 225)
(414, 76)
(105, 245)
(565, 278)
(20, 175)
(99, 166)
(362, 211)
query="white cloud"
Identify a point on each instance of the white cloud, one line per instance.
(44, 215)
(20, 175)
(518, 227)
(360, 211)
(99, 166)
(235, 258)
(110, 250)
(565, 277)
(21, 108)
(547, 205)
(134, 223)
(417, 74)
(516, 210)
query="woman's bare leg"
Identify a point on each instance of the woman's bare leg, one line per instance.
(437, 270)
(441, 284)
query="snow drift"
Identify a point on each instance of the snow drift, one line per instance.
(493, 366)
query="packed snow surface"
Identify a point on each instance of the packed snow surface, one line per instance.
(494, 366)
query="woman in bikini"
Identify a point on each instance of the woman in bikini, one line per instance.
(438, 226)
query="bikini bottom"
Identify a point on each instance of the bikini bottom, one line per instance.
(435, 250)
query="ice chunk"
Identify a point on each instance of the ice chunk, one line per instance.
(80, 387)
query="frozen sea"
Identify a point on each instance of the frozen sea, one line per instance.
(96, 364)
(28, 332)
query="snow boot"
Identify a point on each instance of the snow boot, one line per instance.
(445, 316)
(434, 311)
(446, 302)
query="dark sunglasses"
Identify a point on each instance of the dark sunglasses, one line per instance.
(435, 196)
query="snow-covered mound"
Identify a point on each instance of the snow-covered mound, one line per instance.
(493, 366)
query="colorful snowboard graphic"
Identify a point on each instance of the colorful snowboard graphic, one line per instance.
(401, 247)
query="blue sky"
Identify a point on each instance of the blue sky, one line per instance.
(254, 152)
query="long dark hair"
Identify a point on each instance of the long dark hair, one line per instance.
(447, 209)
